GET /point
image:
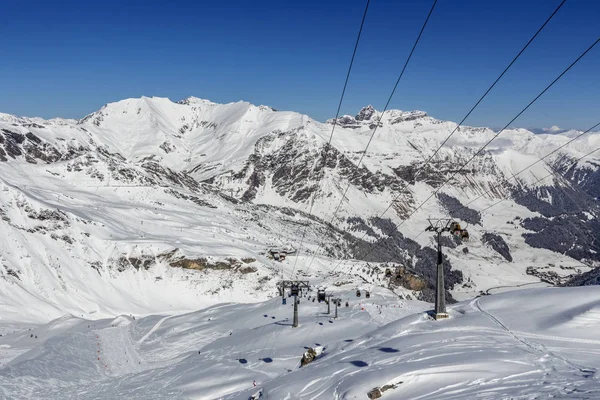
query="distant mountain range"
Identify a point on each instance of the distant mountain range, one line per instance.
(143, 197)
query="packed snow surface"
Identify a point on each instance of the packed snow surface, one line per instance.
(525, 344)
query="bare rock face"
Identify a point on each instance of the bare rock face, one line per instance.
(176, 259)
(377, 392)
(308, 356)
(410, 281)
(366, 113)
(247, 270)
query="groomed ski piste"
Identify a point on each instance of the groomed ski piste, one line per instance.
(523, 344)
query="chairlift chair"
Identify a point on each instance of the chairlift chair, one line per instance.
(464, 235)
(367, 294)
(455, 228)
(357, 293)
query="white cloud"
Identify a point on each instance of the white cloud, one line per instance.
(552, 129)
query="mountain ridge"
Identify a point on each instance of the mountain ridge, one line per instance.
(182, 176)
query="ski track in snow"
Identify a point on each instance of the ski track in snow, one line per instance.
(152, 330)
(538, 348)
(463, 357)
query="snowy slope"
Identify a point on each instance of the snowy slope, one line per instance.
(91, 208)
(527, 344)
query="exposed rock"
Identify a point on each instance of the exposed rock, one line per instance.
(374, 393)
(13, 273)
(33, 138)
(192, 198)
(365, 113)
(198, 263)
(144, 262)
(97, 266)
(123, 263)
(409, 280)
(377, 392)
(203, 263)
(310, 355)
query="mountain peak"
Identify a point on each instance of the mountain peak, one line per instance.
(195, 100)
(366, 113)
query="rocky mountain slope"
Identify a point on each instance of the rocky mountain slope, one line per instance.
(153, 205)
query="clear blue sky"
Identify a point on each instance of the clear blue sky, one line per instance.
(69, 58)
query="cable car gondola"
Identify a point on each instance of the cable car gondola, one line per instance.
(455, 228)
(294, 290)
(464, 235)
(321, 294)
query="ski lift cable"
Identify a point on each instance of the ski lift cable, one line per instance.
(554, 173)
(373, 247)
(244, 348)
(357, 168)
(277, 336)
(449, 213)
(496, 135)
(312, 201)
(467, 115)
(310, 331)
(514, 176)
(546, 177)
(489, 89)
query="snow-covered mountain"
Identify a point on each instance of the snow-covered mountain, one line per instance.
(148, 205)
